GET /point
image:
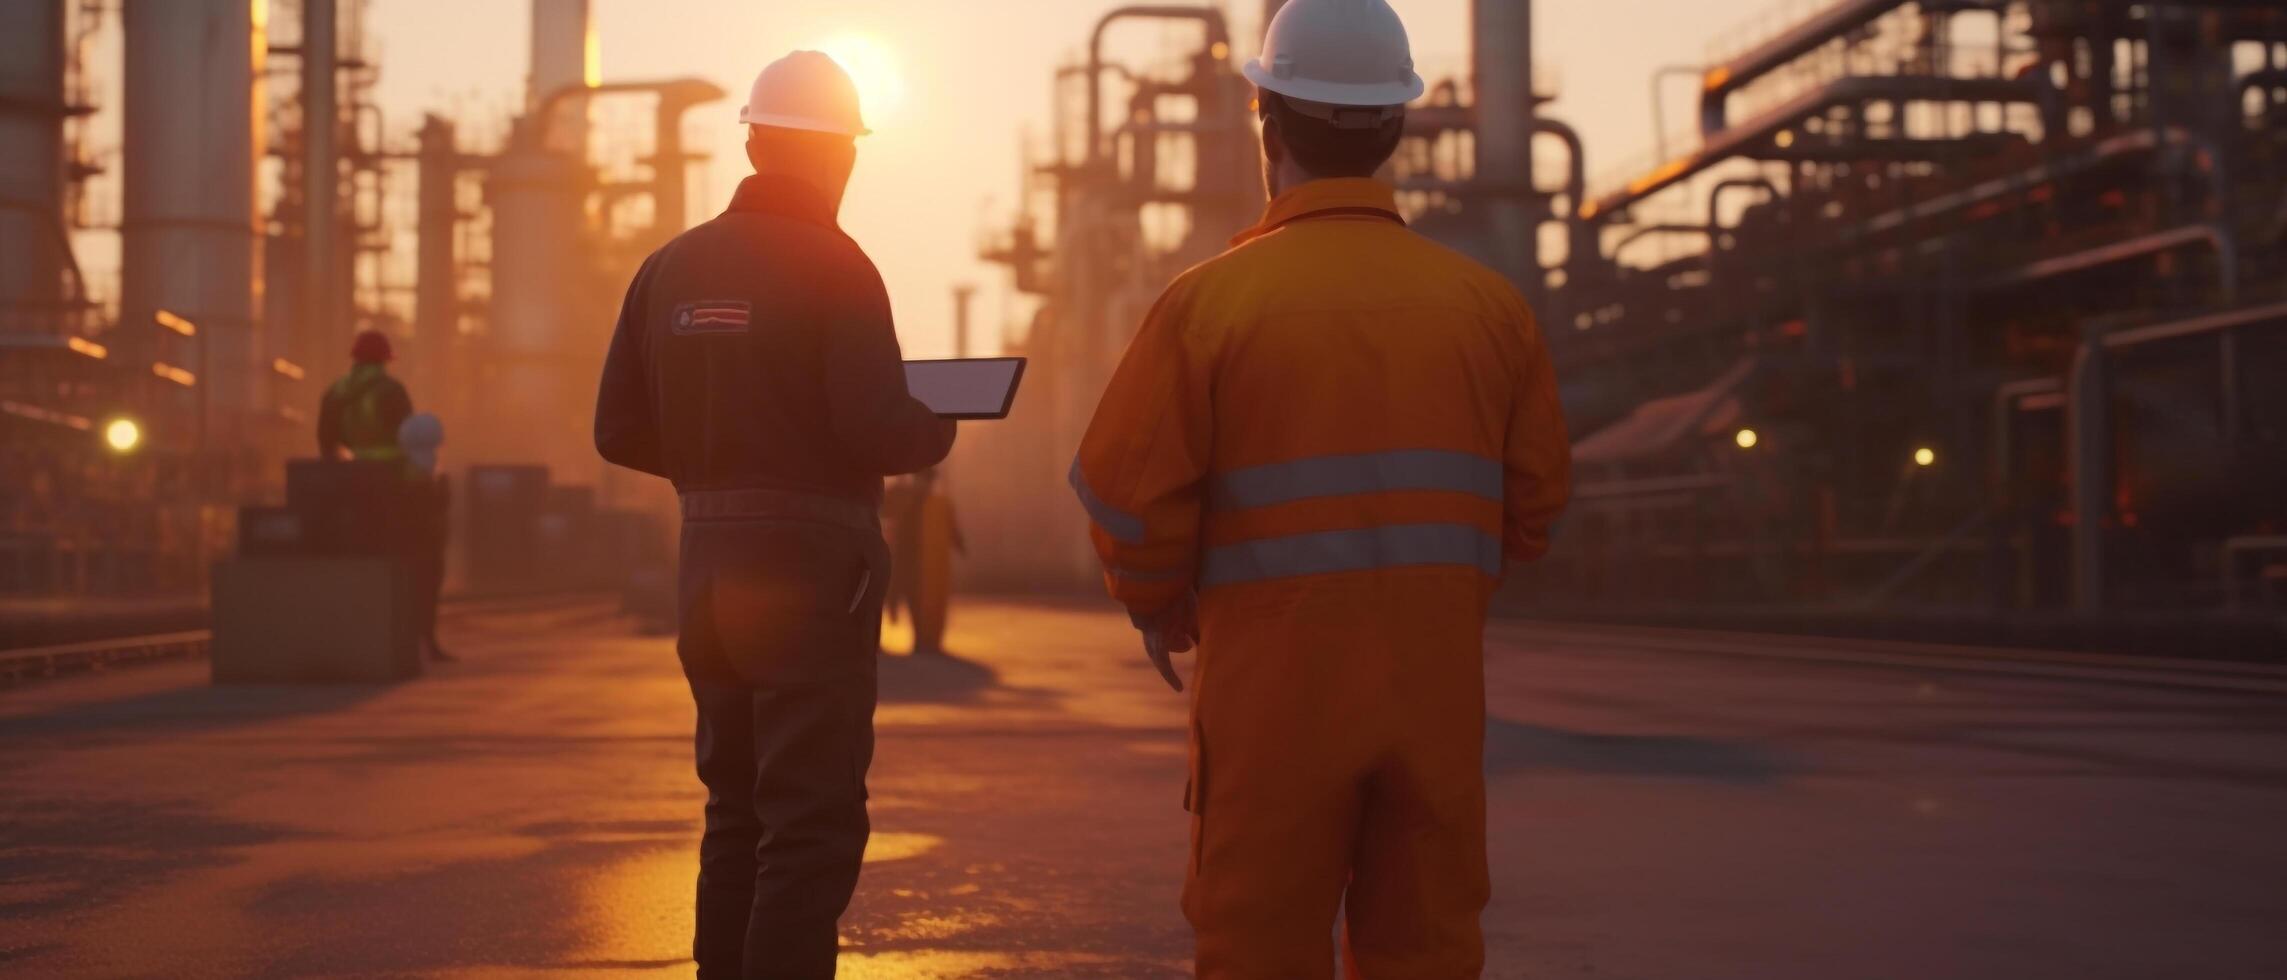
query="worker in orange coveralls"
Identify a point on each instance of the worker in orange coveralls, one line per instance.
(1312, 461)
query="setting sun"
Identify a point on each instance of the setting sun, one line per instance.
(873, 66)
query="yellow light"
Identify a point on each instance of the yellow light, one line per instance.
(290, 370)
(175, 374)
(1220, 51)
(176, 323)
(122, 435)
(1786, 138)
(873, 68)
(1925, 456)
(87, 347)
(592, 59)
(1746, 438)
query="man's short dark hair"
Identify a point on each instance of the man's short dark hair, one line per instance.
(799, 147)
(1322, 149)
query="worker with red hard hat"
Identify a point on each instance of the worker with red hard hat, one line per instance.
(361, 413)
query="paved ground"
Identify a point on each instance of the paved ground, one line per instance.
(1661, 807)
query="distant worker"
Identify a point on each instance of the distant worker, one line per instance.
(430, 511)
(756, 366)
(924, 536)
(1312, 462)
(361, 412)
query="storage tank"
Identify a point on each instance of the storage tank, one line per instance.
(31, 164)
(550, 317)
(190, 230)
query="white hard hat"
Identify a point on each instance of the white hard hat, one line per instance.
(805, 90)
(420, 436)
(1338, 52)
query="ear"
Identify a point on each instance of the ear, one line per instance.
(1274, 146)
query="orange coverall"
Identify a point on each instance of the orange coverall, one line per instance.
(1334, 433)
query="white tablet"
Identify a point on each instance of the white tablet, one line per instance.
(966, 388)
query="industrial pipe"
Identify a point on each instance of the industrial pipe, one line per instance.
(1713, 229)
(1659, 104)
(2267, 78)
(2217, 236)
(670, 163)
(1144, 162)
(682, 92)
(1839, 20)
(669, 185)
(1576, 166)
(1715, 197)
(2127, 144)
(2192, 327)
(1722, 81)
(2088, 424)
(2000, 451)
(1218, 32)
(2088, 413)
(1580, 233)
(1739, 140)
(1642, 232)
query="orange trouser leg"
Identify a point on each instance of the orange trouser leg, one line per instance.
(1264, 888)
(1338, 743)
(1420, 880)
(1275, 797)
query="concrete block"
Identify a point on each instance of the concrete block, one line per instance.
(339, 620)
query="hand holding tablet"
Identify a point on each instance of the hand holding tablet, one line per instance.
(966, 388)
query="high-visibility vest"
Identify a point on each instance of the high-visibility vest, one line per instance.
(364, 431)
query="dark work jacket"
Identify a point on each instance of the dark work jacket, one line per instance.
(756, 351)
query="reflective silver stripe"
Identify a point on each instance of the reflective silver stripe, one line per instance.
(1339, 476)
(1124, 527)
(1363, 549)
(1142, 576)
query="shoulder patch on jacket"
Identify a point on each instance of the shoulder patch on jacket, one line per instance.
(713, 316)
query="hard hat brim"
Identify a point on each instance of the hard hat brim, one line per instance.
(803, 123)
(1336, 93)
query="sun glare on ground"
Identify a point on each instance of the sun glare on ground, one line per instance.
(873, 66)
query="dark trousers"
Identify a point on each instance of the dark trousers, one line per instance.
(781, 623)
(430, 509)
(429, 576)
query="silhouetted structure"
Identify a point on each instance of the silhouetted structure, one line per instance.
(1951, 306)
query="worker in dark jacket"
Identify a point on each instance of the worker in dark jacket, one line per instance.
(755, 365)
(361, 412)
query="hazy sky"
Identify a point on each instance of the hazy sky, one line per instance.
(974, 73)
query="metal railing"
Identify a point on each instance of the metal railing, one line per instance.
(35, 663)
(17, 666)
